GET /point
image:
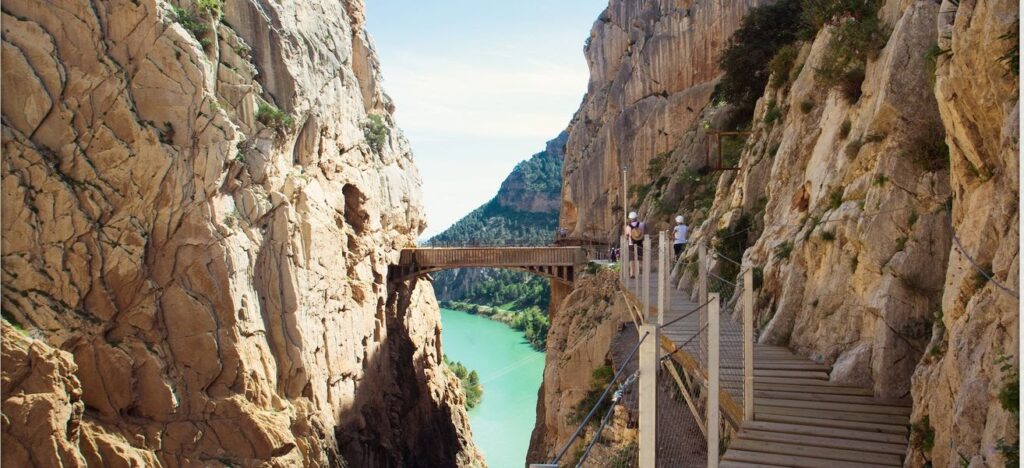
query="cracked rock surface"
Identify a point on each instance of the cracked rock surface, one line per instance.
(197, 227)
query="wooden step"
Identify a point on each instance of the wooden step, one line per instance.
(816, 387)
(850, 434)
(813, 396)
(814, 375)
(831, 414)
(837, 406)
(816, 452)
(900, 429)
(798, 381)
(790, 460)
(739, 464)
(823, 441)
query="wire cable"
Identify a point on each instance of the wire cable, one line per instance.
(607, 415)
(973, 263)
(586, 420)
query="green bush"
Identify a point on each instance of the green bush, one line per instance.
(806, 106)
(772, 114)
(844, 129)
(835, 199)
(853, 43)
(471, 386)
(853, 148)
(269, 115)
(818, 13)
(193, 24)
(376, 132)
(782, 64)
(828, 236)
(751, 48)
(922, 434)
(599, 380)
(783, 250)
(928, 149)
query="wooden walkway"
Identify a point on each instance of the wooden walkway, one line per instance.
(800, 418)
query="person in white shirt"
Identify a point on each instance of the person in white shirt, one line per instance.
(680, 232)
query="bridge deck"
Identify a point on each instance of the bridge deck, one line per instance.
(557, 263)
(800, 417)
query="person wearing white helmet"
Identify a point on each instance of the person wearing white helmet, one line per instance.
(679, 232)
(635, 230)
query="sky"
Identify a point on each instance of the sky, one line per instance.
(479, 86)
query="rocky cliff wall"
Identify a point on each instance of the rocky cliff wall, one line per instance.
(200, 202)
(653, 65)
(847, 207)
(579, 341)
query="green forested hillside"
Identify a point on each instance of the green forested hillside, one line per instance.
(523, 212)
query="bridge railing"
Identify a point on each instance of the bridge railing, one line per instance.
(492, 256)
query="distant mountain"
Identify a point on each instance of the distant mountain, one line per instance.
(523, 212)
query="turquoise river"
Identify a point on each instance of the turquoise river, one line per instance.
(510, 371)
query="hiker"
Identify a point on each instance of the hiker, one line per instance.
(679, 232)
(635, 231)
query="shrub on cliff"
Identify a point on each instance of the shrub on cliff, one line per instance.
(471, 386)
(375, 131)
(764, 31)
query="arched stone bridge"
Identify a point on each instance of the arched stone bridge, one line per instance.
(557, 263)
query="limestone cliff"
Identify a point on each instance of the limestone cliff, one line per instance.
(846, 202)
(653, 66)
(579, 341)
(200, 202)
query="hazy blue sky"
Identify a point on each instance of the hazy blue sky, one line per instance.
(479, 86)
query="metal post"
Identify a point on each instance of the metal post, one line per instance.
(662, 276)
(712, 401)
(646, 277)
(702, 288)
(624, 260)
(748, 345)
(648, 364)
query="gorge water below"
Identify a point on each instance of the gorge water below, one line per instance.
(510, 371)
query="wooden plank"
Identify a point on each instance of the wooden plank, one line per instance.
(816, 452)
(817, 386)
(791, 460)
(794, 374)
(831, 414)
(837, 406)
(838, 424)
(799, 381)
(738, 464)
(811, 395)
(824, 441)
(850, 434)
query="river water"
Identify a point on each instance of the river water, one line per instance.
(511, 372)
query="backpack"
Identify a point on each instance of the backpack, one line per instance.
(635, 233)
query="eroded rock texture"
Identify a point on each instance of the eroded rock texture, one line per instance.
(204, 275)
(847, 205)
(653, 65)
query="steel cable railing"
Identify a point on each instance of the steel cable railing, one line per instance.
(607, 416)
(600, 400)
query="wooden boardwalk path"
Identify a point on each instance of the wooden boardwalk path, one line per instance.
(800, 417)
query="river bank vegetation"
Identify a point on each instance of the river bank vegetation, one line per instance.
(471, 386)
(532, 321)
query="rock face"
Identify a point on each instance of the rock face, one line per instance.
(957, 384)
(203, 274)
(848, 209)
(653, 66)
(579, 342)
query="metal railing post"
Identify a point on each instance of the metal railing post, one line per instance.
(662, 277)
(648, 367)
(712, 401)
(748, 345)
(624, 261)
(646, 276)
